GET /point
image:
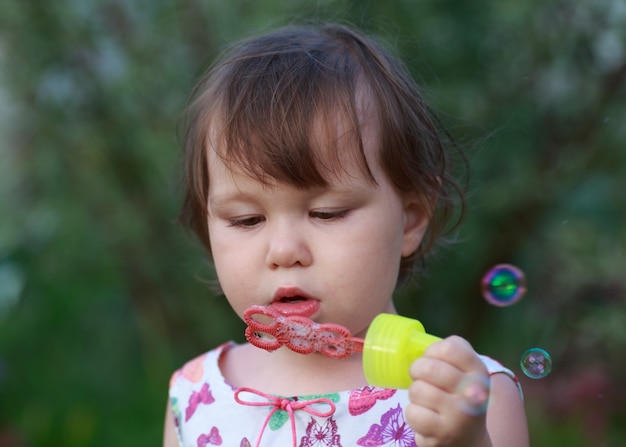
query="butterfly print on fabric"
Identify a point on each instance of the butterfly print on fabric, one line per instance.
(213, 438)
(197, 398)
(194, 369)
(176, 411)
(321, 435)
(392, 431)
(363, 399)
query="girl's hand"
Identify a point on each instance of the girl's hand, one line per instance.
(444, 378)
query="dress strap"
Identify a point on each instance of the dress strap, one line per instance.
(281, 403)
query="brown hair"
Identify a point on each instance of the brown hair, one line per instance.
(263, 99)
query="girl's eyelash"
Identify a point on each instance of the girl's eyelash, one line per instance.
(328, 215)
(245, 221)
(252, 221)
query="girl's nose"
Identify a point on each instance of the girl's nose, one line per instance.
(288, 247)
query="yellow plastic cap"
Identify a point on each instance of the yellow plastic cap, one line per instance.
(392, 343)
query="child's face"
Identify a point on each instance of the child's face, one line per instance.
(337, 247)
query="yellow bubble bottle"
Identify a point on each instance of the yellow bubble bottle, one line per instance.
(392, 343)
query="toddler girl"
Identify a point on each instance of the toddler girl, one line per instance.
(316, 178)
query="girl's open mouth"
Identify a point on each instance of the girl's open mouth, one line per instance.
(296, 305)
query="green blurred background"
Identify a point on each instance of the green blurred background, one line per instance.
(102, 295)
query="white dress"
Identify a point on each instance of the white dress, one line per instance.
(208, 411)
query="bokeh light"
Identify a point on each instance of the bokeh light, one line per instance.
(473, 392)
(536, 363)
(503, 285)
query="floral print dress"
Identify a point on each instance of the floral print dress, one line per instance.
(208, 411)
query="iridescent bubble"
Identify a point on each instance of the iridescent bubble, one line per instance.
(473, 392)
(503, 285)
(536, 363)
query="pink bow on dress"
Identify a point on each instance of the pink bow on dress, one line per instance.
(288, 405)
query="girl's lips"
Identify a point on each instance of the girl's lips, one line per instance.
(294, 302)
(304, 308)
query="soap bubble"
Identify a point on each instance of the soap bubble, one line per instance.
(473, 391)
(536, 363)
(503, 285)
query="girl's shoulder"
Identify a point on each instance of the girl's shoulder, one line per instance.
(200, 369)
(495, 367)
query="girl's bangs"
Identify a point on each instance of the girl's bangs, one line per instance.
(302, 144)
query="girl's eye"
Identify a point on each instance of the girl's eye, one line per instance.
(250, 221)
(329, 215)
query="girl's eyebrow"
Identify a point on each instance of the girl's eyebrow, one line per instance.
(221, 199)
(252, 193)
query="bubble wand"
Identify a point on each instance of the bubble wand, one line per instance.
(391, 343)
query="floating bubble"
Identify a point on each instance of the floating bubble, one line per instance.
(473, 391)
(536, 363)
(503, 285)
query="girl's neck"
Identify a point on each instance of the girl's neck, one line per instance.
(287, 373)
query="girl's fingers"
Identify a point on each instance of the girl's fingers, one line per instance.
(425, 421)
(457, 352)
(436, 372)
(428, 396)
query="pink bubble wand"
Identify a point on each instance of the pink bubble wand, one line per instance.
(391, 344)
(269, 330)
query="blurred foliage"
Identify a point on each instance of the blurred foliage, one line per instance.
(102, 295)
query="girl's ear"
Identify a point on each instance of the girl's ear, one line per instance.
(416, 219)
